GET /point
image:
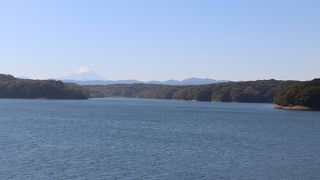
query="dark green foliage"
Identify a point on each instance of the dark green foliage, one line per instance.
(5, 77)
(147, 91)
(251, 91)
(300, 93)
(11, 87)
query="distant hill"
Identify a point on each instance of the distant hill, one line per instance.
(102, 82)
(84, 76)
(191, 81)
(11, 87)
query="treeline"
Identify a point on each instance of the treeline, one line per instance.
(11, 87)
(283, 93)
(147, 91)
(250, 91)
(301, 93)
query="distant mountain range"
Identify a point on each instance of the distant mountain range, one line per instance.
(84, 76)
(101, 82)
(190, 81)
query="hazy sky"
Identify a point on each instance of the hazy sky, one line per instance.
(161, 39)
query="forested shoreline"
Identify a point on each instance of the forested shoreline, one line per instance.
(305, 94)
(283, 93)
(250, 91)
(11, 87)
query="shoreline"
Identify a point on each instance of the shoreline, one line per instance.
(295, 107)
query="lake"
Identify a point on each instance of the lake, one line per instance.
(156, 139)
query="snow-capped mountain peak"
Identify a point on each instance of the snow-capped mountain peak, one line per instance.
(83, 74)
(83, 70)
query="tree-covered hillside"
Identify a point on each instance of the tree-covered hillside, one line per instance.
(11, 87)
(300, 94)
(251, 91)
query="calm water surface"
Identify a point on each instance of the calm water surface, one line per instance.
(156, 139)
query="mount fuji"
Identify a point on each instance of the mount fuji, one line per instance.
(83, 74)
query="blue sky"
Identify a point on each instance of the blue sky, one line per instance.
(161, 39)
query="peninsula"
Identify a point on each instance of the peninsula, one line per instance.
(11, 87)
(299, 96)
